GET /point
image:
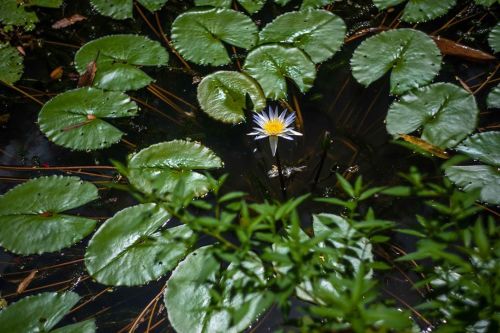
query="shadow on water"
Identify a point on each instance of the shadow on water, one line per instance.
(353, 115)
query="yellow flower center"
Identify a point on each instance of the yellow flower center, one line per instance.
(273, 127)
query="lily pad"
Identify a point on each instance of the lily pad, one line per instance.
(30, 214)
(494, 98)
(412, 57)
(117, 60)
(483, 178)
(484, 147)
(187, 296)
(122, 9)
(74, 119)
(446, 112)
(318, 33)
(494, 38)
(157, 170)
(130, 248)
(252, 6)
(11, 64)
(199, 35)
(40, 313)
(271, 65)
(213, 3)
(314, 3)
(418, 10)
(13, 12)
(222, 95)
(486, 3)
(282, 2)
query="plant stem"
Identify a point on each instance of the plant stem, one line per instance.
(280, 172)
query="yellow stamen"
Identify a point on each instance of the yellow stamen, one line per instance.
(273, 127)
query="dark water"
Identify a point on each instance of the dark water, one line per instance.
(337, 104)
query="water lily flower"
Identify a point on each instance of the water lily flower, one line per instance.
(272, 125)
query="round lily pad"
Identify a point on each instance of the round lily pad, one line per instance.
(11, 64)
(13, 12)
(318, 33)
(494, 38)
(412, 57)
(118, 58)
(40, 313)
(418, 10)
(446, 112)
(213, 3)
(272, 64)
(484, 147)
(482, 178)
(494, 98)
(314, 3)
(158, 169)
(123, 9)
(200, 35)
(252, 6)
(223, 95)
(30, 214)
(131, 249)
(74, 119)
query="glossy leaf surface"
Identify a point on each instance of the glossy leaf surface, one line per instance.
(494, 38)
(418, 10)
(484, 147)
(123, 9)
(494, 98)
(483, 178)
(13, 12)
(11, 64)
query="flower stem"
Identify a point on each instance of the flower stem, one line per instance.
(280, 172)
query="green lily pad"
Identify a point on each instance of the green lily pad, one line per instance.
(117, 60)
(87, 326)
(40, 313)
(252, 6)
(199, 35)
(157, 170)
(222, 95)
(74, 119)
(446, 112)
(486, 3)
(11, 64)
(122, 9)
(282, 2)
(412, 57)
(482, 146)
(483, 178)
(494, 98)
(494, 38)
(214, 3)
(314, 3)
(418, 10)
(270, 65)
(130, 248)
(13, 12)
(30, 216)
(318, 33)
(187, 296)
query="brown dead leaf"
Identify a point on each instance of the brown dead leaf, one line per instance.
(425, 146)
(57, 73)
(87, 78)
(4, 118)
(26, 281)
(20, 49)
(449, 47)
(67, 21)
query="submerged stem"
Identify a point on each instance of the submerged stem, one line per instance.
(280, 172)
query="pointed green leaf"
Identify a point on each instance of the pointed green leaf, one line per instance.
(11, 64)
(494, 98)
(117, 60)
(482, 146)
(494, 38)
(271, 65)
(75, 118)
(157, 170)
(122, 9)
(131, 249)
(199, 35)
(39, 313)
(318, 33)
(30, 219)
(446, 112)
(418, 10)
(484, 178)
(412, 57)
(223, 95)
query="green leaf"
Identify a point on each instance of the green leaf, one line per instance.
(482, 146)
(156, 170)
(318, 33)
(11, 64)
(483, 178)
(87, 326)
(130, 248)
(346, 186)
(118, 58)
(446, 112)
(30, 216)
(122, 9)
(481, 239)
(486, 3)
(494, 38)
(412, 57)
(282, 2)
(314, 3)
(189, 290)
(39, 313)
(417, 11)
(494, 98)
(271, 65)
(223, 96)
(213, 3)
(74, 119)
(252, 6)
(13, 12)
(199, 35)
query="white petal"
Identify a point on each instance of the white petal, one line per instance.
(273, 141)
(282, 115)
(260, 137)
(292, 132)
(284, 136)
(290, 119)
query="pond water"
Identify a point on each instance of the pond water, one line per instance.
(353, 115)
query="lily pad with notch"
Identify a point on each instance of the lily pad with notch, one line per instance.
(31, 219)
(75, 118)
(123, 9)
(484, 147)
(118, 58)
(11, 64)
(482, 178)
(418, 10)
